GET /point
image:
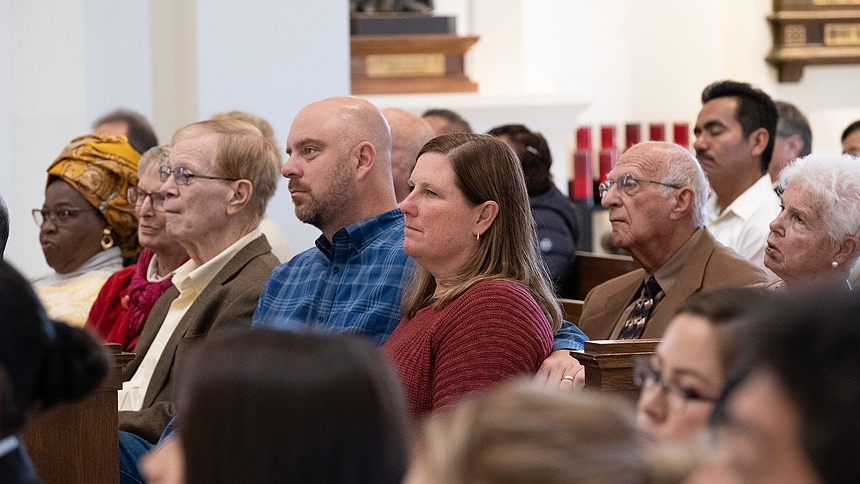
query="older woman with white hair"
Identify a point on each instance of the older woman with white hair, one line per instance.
(814, 241)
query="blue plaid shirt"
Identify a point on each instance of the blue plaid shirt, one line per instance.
(353, 284)
(568, 337)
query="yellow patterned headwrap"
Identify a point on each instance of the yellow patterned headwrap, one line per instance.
(102, 167)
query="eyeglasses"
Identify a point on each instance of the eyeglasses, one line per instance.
(137, 197)
(181, 175)
(57, 216)
(645, 376)
(628, 184)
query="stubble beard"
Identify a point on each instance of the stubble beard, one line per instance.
(331, 202)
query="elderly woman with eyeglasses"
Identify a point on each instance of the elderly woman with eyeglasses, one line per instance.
(814, 240)
(87, 226)
(682, 380)
(127, 297)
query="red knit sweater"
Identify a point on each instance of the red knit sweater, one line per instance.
(492, 332)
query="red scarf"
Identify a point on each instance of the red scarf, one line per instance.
(142, 294)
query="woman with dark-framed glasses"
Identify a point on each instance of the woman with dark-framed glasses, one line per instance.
(681, 382)
(127, 297)
(87, 227)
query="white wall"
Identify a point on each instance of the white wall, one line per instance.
(117, 57)
(558, 62)
(271, 58)
(43, 72)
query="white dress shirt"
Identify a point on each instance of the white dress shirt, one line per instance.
(745, 224)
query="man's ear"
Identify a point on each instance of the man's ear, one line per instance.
(683, 201)
(758, 141)
(366, 155)
(795, 142)
(241, 196)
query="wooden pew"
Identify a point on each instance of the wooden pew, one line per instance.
(609, 364)
(571, 309)
(78, 442)
(591, 269)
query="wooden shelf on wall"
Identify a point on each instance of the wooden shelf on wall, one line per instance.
(813, 32)
(403, 64)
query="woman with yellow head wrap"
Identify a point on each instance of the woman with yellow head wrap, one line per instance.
(87, 225)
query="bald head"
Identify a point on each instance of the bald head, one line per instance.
(339, 163)
(675, 165)
(409, 133)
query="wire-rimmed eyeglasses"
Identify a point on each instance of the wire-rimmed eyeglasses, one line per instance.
(628, 185)
(57, 216)
(137, 197)
(181, 175)
(646, 377)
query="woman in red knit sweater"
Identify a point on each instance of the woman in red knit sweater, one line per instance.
(480, 308)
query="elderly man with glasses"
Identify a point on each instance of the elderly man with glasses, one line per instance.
(656, 196)
(220, 177)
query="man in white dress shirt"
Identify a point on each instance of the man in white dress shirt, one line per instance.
(735, 133)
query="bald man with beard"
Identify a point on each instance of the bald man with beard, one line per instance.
(339, 168)
(409, 133)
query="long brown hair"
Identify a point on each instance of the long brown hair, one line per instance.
(486, 169)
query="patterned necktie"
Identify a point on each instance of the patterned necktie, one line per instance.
(635, 324)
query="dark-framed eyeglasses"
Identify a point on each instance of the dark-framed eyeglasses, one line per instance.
(628, 184)
(57, 216)
(137, 197)
(181, 175)
(646, 376)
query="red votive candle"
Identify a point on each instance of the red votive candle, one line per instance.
(657, 132)
(632, 134)
(583, 180)
(608, 152)
(681, 134)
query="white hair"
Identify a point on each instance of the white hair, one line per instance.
(683, 170)
(834, 181)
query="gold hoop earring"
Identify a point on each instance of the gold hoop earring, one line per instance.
(478, 237)
(107, 240)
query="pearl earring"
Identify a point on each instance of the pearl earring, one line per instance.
(834, 264)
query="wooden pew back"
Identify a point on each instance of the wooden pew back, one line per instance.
(78, 442)
(571, 309)
(591, 269)
(609, 364)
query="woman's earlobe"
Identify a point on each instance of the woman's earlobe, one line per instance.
(849, 247)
